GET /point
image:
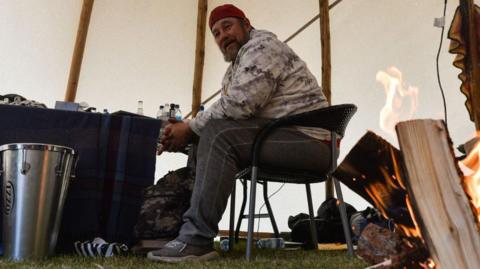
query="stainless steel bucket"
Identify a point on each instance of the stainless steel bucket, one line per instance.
(35, 181)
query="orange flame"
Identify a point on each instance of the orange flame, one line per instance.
(471, 178)
(429, 264)
(397, 93)
(410, 232)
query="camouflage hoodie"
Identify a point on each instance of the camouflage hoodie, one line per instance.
(267, 80)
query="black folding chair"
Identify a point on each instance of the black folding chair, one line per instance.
(332, 118)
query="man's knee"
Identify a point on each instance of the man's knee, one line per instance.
(214, 124)
(225, 133)
(215, 127)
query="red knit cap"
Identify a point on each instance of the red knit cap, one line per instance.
(225, 11)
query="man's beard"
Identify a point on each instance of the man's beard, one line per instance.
(230, 53)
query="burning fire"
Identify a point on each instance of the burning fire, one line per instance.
(471, 178)
(411, 232)
(401, 101)
(429, 264)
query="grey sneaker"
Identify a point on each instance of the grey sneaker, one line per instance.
(145, 246)
(177, 251)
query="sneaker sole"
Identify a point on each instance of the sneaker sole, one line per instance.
(145, 246)
(208, 256)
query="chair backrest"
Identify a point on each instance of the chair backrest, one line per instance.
(333, 118)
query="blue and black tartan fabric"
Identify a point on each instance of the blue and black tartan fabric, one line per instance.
(117, 155)
(99, 248)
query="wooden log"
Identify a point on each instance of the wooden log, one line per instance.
(77, 57)
(199, 56)
(440, 205)
(377, 244)
(470, 144)
(470, 29)
(371, 169)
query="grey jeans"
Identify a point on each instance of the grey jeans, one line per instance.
(223, 150)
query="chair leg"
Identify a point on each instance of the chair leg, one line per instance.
(232, 216)
(270, 211)
(343, 216)
(251, 211)
(242, 210)
(313, 228)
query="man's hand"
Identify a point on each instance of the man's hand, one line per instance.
(176, 135)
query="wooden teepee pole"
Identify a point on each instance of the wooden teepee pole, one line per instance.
(469, 30)
(326, 68)
(199, 56)
(77, 57)
(325, 41)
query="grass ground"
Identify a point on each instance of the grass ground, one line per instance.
(278, 259)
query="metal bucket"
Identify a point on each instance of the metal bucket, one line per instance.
(35, 182)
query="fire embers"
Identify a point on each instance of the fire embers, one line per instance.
(378, 245)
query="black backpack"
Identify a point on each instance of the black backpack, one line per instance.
(327, 222)
(164, 204)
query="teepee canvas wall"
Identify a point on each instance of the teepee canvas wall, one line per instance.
(144, 50)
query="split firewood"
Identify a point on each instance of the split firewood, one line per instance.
(441, 208)
(372, 170)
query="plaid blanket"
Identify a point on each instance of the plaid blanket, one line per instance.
(116, 162)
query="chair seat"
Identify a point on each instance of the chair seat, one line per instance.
(283, 176)
(333, 119)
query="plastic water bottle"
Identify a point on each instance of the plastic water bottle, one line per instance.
(171, 112)
(161, 116)
(271, 243)
(224, 245)
(178, 113)
(166, 111)
(140, 108)
(160, 113)
(200, 110)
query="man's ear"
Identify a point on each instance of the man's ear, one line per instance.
(247, 23)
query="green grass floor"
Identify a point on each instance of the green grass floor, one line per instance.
(279, 259)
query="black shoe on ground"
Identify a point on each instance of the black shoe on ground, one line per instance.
(177, 251)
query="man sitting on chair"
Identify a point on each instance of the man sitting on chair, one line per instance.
(265, 80)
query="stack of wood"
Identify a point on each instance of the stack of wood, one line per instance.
(420, 188)
(372, 169)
